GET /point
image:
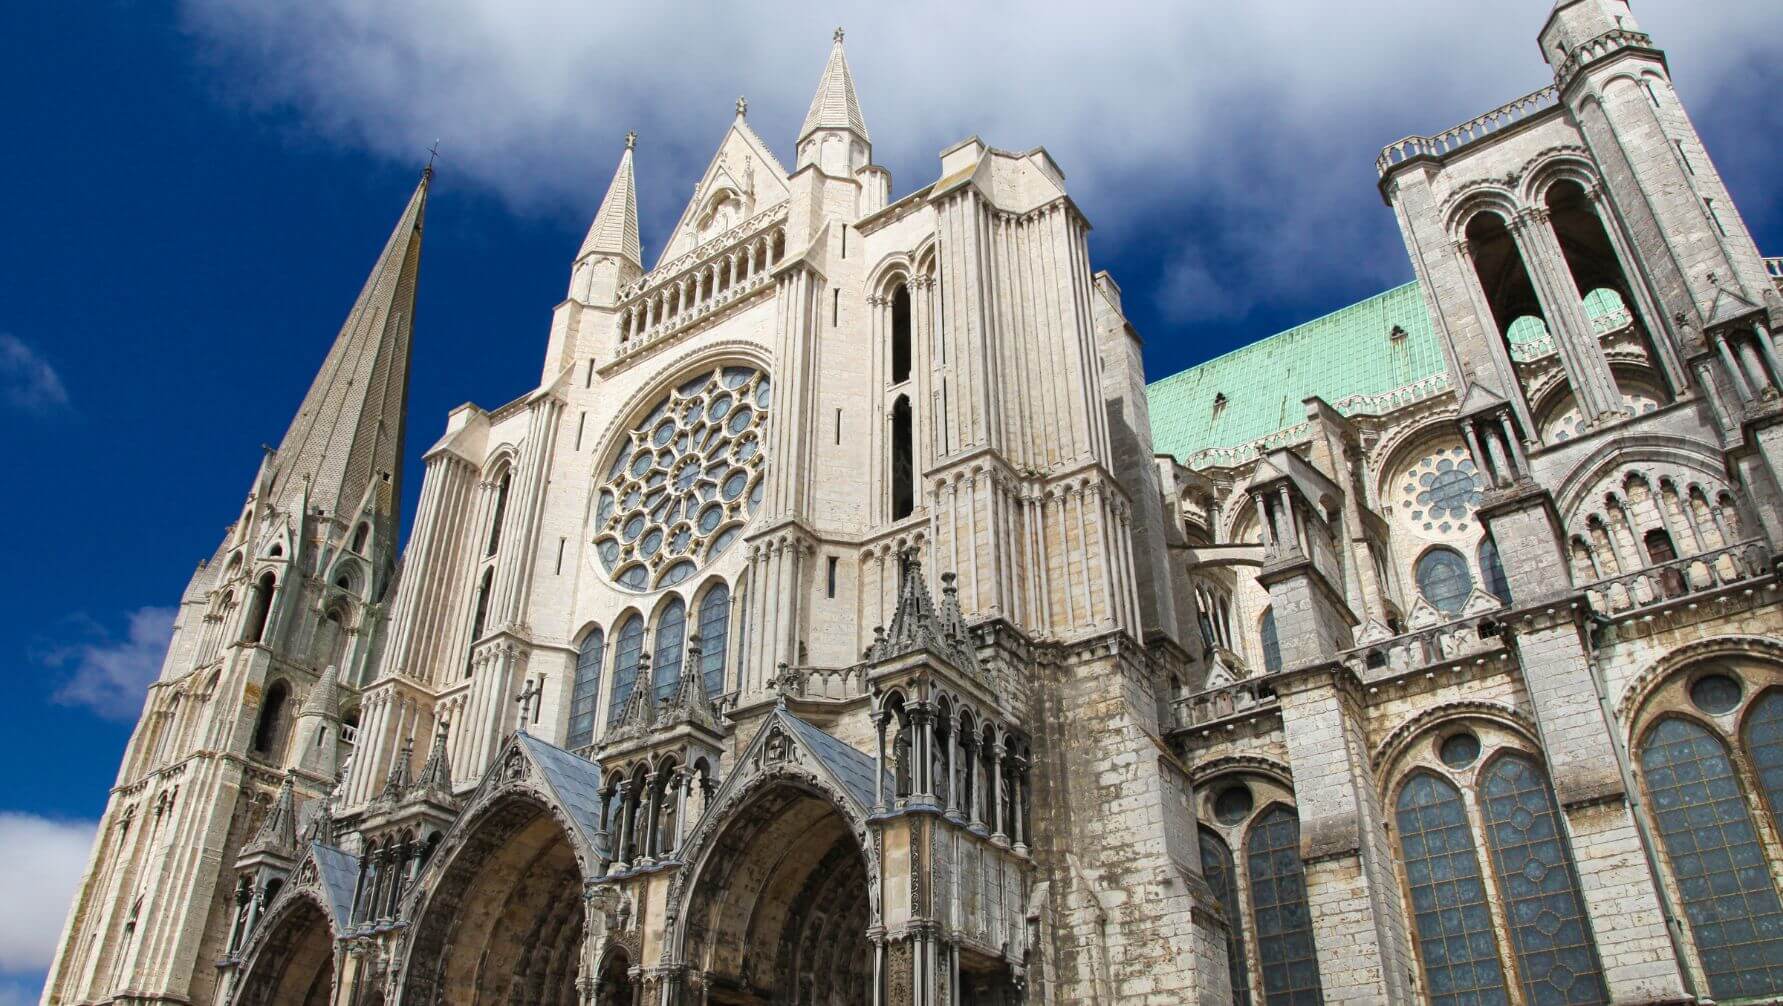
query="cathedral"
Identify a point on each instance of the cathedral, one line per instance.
(845, 619)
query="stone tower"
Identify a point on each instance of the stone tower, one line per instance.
(243, 731)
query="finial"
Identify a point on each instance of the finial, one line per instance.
(742, 106)
(433, 154)
(631, 139)
(838, 36)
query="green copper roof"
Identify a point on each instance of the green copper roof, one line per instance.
(1350, 358)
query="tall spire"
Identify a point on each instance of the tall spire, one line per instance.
(835, 106)
(615, 227)
(350, 426)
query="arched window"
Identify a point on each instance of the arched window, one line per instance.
(665, 661)
(903, 460)
(1272, 644)
(715, 620)
(360, 533)
(257, 615)
(481, 615)
(1450, 915)
(586, 690)
(501, 512)
(1216, 866)
(1492, 571)
(626, 654)
(1764, 745)
(269, 723)
(1543, 910)
(1659, 547)
(1712, 846)
(1444, 579)
(333, 649)
(900, 335)
(1278, 898)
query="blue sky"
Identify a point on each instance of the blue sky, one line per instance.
(196, 190)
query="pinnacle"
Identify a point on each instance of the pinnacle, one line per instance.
(835, 105)
(615, 227)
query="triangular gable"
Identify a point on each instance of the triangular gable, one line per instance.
(849, 771)
(742, 164)
(337, 873)
(574, 782)
(1729, 308)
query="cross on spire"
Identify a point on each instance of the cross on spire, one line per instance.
(742, 106)
(631, 139)
(838, 35)
(433, 154)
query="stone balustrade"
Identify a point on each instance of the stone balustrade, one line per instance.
(1450, 140)
(1774, 266)
(1215, 704)
(1473, 636)
(1678, 579)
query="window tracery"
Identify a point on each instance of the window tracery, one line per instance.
(684, 480)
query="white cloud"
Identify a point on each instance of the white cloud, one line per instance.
(27, 381)
(1264, 117)
(108, 675)
(42, 866)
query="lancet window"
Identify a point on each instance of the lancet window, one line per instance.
(585, 693)
(1250, 855)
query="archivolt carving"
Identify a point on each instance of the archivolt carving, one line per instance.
(1402, 735)
(1635, 694)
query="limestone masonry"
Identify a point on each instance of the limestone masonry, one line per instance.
(844, 620)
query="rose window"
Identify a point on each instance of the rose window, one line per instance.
(1440, 493)
(684, 480)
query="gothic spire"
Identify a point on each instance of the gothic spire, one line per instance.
(615, 227)
(436, 773)
(349, 430)
(278, 832)
(324, 699)
(835, 105)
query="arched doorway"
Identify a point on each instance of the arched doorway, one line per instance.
(779, 910)
(503, 923)
(294, 964)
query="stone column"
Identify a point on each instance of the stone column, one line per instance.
(625, 824)
(998, 837)
(1731, 367)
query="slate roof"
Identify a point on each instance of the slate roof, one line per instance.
(853, 768)
(575, 781)
(339, 872)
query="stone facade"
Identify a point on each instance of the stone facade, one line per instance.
(826, 628)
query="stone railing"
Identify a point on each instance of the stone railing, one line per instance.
(1214, 704)
(836, 683)
(1397, 398)
(670, 300)
(1774, 266)
(1603, 326)
(1421, 648)
(1596, 48)
(1678, 579)
(1450, 140)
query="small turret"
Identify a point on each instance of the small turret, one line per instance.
(834, 136)
(317, 750)
(611, 255)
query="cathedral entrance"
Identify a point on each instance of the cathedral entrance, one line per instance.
(294, 965)
(779, 909)
(504, 922)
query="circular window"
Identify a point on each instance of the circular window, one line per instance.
(697, 452)
(1232, 804)
(1716, 693)
(1444, 579)
(1441, 491)
(1459, 750)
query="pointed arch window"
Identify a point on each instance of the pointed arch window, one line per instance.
(1712, 846)
(903, 459)
(480, 616)
(665, 661)
(501, 512)
(1492, 570)
(1544, 911)
(585, 693)
(1452, 920)
(262, 608)
(715, 620)
(269, 724)
(1272, 644)
(900, 334)
(1222, 876)
(1278, 899)
(628, 649)
(360, 533)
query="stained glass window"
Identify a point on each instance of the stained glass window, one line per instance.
(1272, 644)
(1440, 492)
(586, 690)
(626, 651)
(1449, 909)
(1492, 571)
(1278, 899)
(715, 620)
(1216, 866)
(1549, 929)
(1712, 845)
(665, 662)
(1764, 742)
(1444, 580)
(683, 479)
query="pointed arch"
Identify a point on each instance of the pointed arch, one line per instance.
(585, 690)
(1451, 917)
(1285, 947)
(628, 649)
(714, 631)
(670, 647)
